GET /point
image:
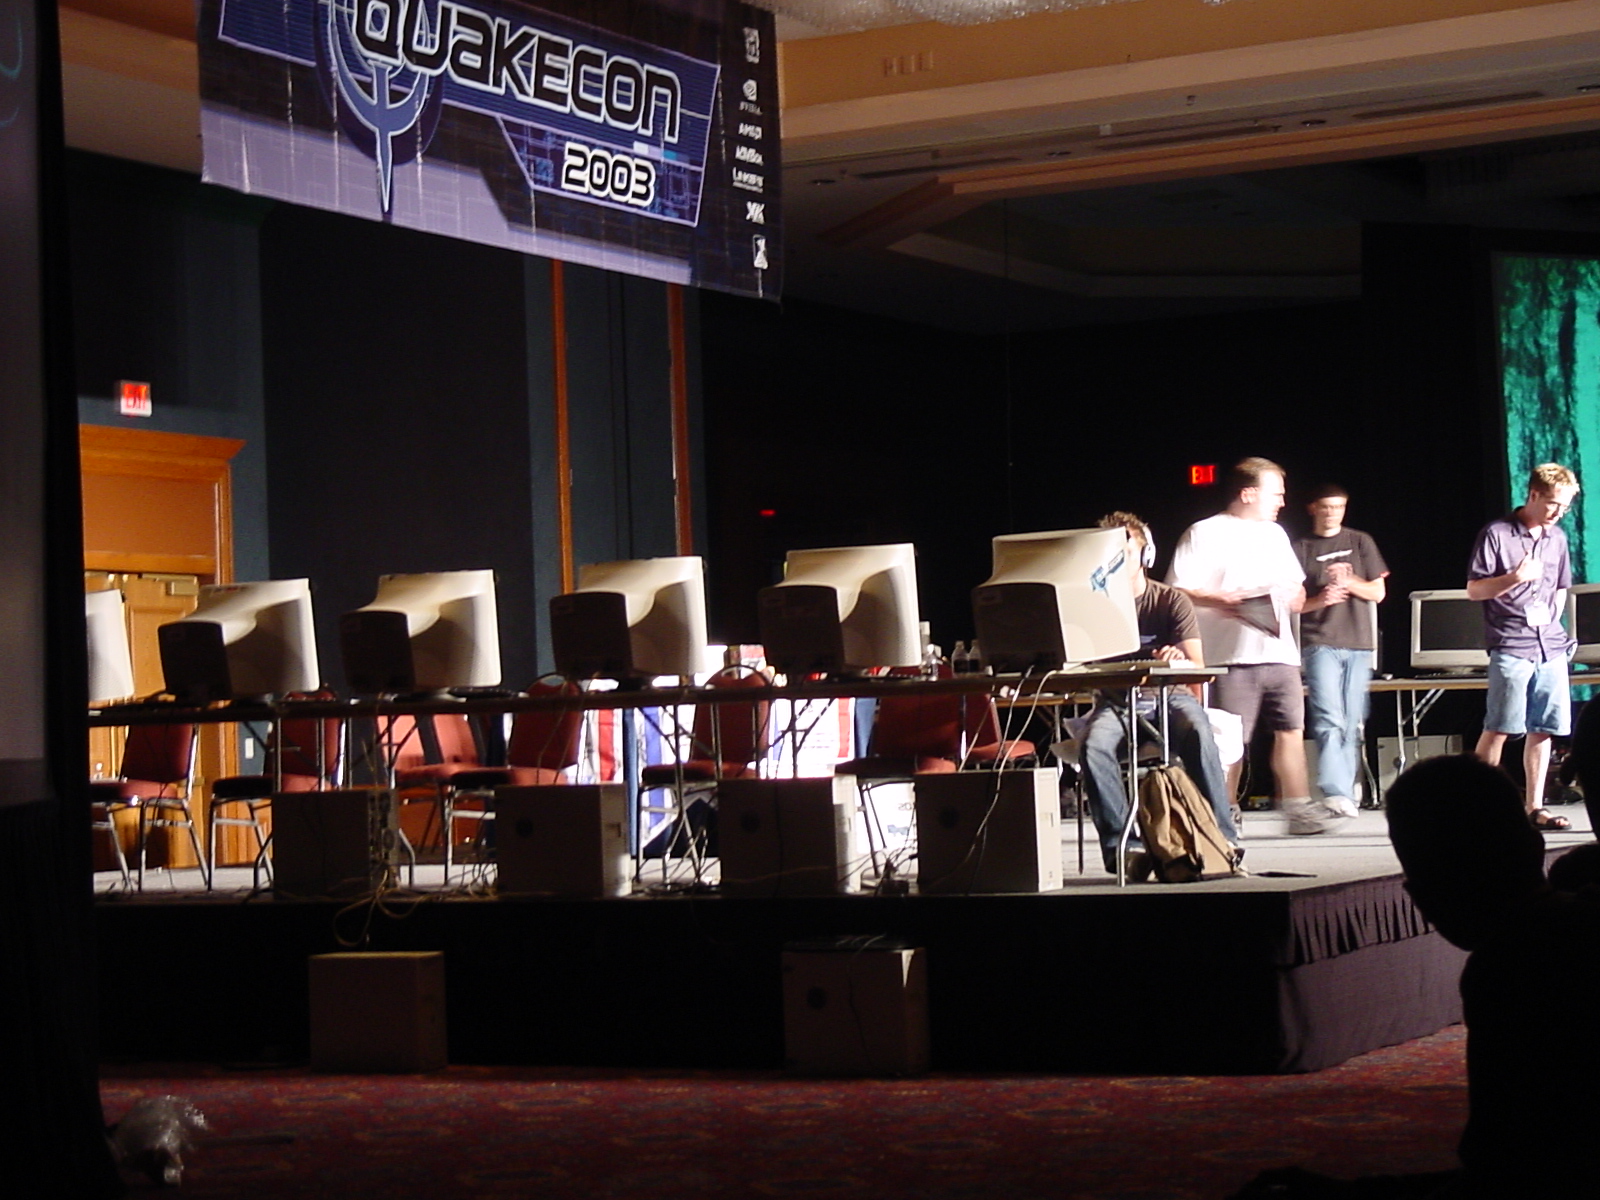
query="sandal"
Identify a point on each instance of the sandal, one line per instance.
(1544, 819)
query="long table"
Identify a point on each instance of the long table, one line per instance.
(1048, 690)
(1414, 698)
(1016, 690)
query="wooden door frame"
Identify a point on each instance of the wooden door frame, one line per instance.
(110, 450)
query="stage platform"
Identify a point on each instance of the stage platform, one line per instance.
(1317, 956)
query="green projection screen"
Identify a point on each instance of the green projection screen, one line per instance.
(1547, 308)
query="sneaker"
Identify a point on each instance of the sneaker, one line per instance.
(1306, 817)
(1341, 806)
(1236, 865)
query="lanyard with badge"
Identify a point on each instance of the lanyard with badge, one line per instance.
(1537, 614)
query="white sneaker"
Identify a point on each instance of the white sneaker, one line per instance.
(1341, 806)
(1305, 816)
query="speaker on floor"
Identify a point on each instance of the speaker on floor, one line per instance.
(787, 837)
(988, 831)
(855, 1006)
(563, 840)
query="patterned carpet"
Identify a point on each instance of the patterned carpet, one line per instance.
(482, 1133)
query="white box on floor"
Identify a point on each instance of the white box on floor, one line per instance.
(853, 1009)
(563, 840)
(787, 837)
(988, 831)
(380, 1013)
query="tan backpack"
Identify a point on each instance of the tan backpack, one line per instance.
(1179, 829)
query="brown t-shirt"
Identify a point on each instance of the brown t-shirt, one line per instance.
(1166, 617)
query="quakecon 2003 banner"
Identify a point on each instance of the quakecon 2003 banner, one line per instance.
(641, 138)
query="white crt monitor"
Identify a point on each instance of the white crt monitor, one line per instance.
(1447, 631)
(633, 619)
(1056, 598)
(110, 662)
(424, 633)
(242, 640)
(843, 609)
(1583, 621)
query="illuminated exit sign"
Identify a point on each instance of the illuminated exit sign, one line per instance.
(1203, 475)
(133, 399)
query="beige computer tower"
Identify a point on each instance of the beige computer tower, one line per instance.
(560, 840)
(1429, 745)
(334, 843)
(988, 831)
(787, 837)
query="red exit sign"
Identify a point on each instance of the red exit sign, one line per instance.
(133, 399)
(1202, 475)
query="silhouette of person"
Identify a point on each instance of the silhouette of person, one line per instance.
(1475, 868)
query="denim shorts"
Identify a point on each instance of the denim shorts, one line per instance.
(1527, 696)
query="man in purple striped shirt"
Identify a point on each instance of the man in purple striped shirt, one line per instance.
(1521, 571)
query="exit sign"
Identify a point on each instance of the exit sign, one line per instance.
(1203, 475)
(133, 399)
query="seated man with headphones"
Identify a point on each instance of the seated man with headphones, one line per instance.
(1167, 630)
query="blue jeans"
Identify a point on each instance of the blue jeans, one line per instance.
(1188, 729)
(1336, 703)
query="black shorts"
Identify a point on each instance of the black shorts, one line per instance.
(1271, 691)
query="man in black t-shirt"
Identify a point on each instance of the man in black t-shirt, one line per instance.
(1167, 630)
(1338, 633)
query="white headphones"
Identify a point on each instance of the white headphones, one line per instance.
(1147, 552)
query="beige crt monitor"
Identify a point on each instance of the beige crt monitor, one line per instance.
(1447, 632)
(242, 640)
(110, 662)
(1583, 621)
(1056, 598)
(633, 619)
(845, 608)
(424, 632)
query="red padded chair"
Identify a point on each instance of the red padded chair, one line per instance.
(728, 741)
(305, 755)
(422, 771)
(154, 778)
(542, 749)
(986, 747)
(911, 735)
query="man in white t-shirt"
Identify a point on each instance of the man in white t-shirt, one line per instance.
(1246, 583)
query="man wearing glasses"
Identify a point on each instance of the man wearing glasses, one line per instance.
(1521, 571)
